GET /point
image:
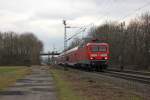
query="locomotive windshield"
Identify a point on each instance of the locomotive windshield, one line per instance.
(98, 48)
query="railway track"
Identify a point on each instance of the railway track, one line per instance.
(130, 75)
(130, 71)
(137, 76)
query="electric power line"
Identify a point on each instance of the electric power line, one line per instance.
(76, 34)
(134, 11)
(81, 29)
(92, 23)
(124, 17)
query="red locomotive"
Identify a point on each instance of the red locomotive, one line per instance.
(90, 56)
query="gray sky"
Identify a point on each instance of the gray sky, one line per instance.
(44, 17)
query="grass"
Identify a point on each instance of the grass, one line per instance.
(65, 92)
(75, 85)
(9, 75)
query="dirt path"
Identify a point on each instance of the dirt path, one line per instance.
(37, 86)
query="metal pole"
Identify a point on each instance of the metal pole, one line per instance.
(65, 36)
(48, 58)
(65, 43)
(122, 57)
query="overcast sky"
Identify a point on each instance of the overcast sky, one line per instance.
(44, 17)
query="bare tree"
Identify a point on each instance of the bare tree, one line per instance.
(21, 49)
(129, 44)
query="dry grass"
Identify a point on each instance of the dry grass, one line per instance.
(64, 89)
(9, 75)
(92, 89)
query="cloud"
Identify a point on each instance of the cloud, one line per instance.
(44, 17)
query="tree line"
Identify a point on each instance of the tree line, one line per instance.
(129, 42)
(19, 49)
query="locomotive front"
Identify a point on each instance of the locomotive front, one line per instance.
(98, 54)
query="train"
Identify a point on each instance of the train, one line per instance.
(91, 56)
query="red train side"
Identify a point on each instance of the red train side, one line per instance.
(90, 56)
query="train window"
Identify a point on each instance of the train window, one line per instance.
(102, 48)
(94, 48)
(67, 58)
(98, 48)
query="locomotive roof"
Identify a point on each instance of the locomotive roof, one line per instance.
(97, 44)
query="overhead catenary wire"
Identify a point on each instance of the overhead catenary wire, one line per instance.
(81, 29)
(134, 11)
(126, 16)
(106, 15)
(109, 3)
(76, 34)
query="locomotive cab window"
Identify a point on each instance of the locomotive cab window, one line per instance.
(94, 48)
(98, 49)
(102, 48)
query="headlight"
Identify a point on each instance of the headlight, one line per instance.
(92, 58)
(106, 58)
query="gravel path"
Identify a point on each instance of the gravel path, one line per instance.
(36, 86)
